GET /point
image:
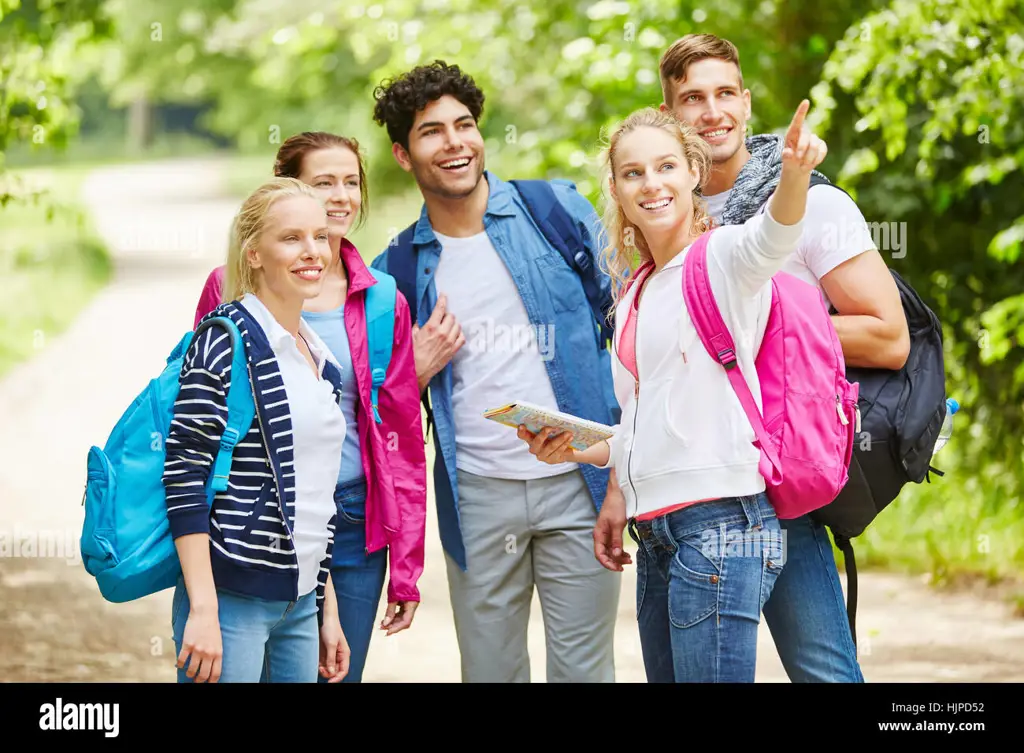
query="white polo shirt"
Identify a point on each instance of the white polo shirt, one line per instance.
(318, 433)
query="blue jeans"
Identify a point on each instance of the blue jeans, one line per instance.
(807, 612)
(276, 641)
(704, 574)
(358, 577)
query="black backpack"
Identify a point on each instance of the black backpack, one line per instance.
(901, 414)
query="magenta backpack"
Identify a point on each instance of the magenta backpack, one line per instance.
(806, 436)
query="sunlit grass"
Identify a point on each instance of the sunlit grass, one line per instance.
(958, 525)
(51, 268)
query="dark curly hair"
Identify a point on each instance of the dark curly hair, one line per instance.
(398, 100)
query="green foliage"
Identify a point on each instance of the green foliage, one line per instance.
(41, 44)
(964, 523)
(554, 74)
(924, 100)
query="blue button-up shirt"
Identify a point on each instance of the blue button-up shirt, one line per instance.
(580, 369)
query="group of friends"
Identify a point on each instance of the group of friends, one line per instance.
(283, 576)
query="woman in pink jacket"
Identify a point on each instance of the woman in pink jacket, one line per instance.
(381, 494)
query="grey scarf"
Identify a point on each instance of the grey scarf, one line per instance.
(757, 180)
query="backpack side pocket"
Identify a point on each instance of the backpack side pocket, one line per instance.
(99, 539)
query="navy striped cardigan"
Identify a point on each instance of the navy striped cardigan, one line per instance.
(251, 545)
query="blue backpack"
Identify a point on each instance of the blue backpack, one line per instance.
(126, 540)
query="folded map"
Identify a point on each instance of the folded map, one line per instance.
(533, 417)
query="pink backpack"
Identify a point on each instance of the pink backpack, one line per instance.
(807, 433)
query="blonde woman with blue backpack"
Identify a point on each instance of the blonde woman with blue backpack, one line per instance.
(218, 480)
(255, 597)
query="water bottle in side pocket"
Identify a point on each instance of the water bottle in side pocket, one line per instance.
(952, 406)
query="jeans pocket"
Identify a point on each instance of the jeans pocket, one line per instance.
(351, 511)
(693, 586)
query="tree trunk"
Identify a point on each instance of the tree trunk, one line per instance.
(140, 124)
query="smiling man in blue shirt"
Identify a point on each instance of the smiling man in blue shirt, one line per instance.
(524, 331)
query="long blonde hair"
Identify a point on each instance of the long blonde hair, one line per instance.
(239, 276)
(625, 247)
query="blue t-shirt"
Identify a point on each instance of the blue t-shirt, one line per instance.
(330, 326)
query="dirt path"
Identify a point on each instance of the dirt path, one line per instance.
(167, 223)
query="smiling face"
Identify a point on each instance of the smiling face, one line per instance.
(446, 150)
(334, 174)
(292, 250)
(653, 182)
(711, 99)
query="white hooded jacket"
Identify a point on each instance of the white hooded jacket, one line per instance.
(684, 435)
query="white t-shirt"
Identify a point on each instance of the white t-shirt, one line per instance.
(834, 232)
(318, 433)
(501, 361)
(716, 203)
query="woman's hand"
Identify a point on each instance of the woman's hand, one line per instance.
(553, 450)
(399, 616)
(202, 642)
(334, 650)
(802, 151)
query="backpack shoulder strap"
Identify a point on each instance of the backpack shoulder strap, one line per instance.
(402, 268)
(817, 179)
(241, 408)
(553, 220)
(844, 545)
(380, 331)
(715, 336)
(561, 232)
(637, 274)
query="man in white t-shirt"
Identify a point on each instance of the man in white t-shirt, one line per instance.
(501, 317)
(703, 86)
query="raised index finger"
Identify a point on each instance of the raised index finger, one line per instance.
(797, 124)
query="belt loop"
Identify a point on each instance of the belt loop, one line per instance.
(661, 532)
(752, 509)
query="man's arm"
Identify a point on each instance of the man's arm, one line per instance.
(871, 323)
(840, 252)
